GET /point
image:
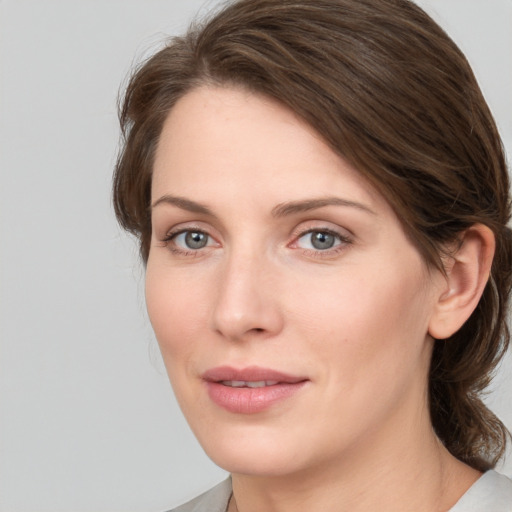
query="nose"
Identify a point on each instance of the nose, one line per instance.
(247, 302)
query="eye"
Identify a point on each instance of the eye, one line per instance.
(319, 240)
(191, 240)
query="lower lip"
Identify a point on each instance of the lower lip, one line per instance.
(250, 400)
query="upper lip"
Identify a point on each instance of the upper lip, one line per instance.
(249, 374)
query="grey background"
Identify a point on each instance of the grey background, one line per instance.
(88, 420)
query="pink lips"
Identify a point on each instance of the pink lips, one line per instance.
(249, 390)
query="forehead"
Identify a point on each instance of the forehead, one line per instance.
(230, 139)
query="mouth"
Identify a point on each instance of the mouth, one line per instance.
(251, 376)
(248, 383)
(250, 390)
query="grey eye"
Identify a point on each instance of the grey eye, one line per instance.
(191, 240)
(196, 239)
(319, 240)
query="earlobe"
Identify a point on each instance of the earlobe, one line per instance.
(467, 273)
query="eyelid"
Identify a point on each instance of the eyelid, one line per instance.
(340, 236)
(318, 225)
(173, 233)
(184, 227)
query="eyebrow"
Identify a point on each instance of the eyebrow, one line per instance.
(184, 204)
(281, 210)
(293, 207)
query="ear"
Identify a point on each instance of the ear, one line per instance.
(467, 273)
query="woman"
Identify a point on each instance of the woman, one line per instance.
(321, 199)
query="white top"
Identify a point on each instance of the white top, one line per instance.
(492, 492)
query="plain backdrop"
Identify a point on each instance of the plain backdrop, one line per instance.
(88, 420)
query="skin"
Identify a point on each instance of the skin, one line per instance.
(353, 319)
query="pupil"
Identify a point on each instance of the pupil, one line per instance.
(195, 240)
(322, 240)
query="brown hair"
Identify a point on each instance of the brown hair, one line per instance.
(390, 92)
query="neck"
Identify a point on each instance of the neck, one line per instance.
(401, 467)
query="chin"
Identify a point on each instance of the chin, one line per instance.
(255, 463)
(252, 453)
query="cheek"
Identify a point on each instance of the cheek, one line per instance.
(174, 306)
(365, 335)
(369, 322)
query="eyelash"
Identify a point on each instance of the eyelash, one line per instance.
(344, 241)
(330, 252)
(169, 240)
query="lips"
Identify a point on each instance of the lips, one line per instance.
(250, 390)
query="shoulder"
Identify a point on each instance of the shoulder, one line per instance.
(492, 491)
(214, 500)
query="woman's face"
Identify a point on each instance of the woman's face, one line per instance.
(291, 310)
